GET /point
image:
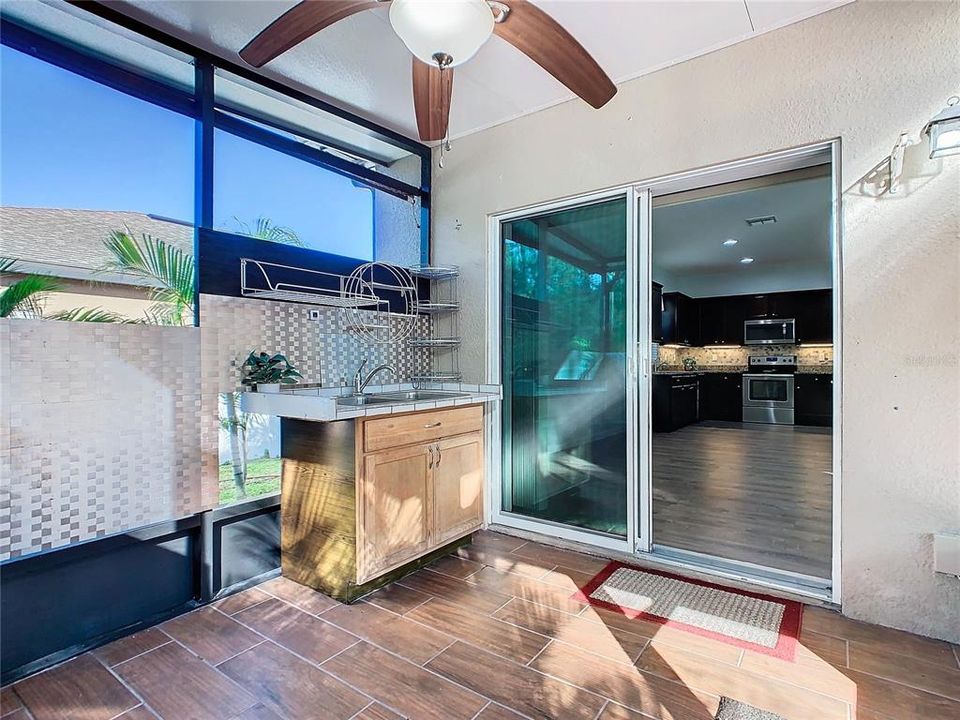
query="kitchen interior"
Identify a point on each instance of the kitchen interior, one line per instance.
(742, 387)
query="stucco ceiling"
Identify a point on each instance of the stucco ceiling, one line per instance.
(361, 65)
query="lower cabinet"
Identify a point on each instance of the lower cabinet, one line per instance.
(721, 397)
(364, 500)
(813, 399)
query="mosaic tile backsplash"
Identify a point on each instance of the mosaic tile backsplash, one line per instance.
(814, 356)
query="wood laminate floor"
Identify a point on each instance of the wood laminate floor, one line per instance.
(741, 491)
(490, 634)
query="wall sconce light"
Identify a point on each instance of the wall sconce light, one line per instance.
(944, 130)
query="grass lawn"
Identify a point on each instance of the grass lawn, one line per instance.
(263, 478)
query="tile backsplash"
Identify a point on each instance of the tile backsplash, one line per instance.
(815, 356)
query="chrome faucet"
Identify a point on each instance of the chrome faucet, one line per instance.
(359, 383)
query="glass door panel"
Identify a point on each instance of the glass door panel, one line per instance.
(564, 367)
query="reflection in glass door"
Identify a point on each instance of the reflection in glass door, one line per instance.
(564, 369)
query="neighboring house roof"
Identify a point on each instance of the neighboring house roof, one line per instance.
(70, 243)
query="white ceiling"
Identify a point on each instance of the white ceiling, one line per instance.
(361, 65)
(792, 254)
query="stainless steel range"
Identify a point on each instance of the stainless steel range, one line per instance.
(768, 389)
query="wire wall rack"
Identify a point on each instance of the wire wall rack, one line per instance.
(444, 338)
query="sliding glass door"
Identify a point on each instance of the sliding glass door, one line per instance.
(564, 343)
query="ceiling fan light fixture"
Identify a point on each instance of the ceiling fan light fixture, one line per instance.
(447, 28)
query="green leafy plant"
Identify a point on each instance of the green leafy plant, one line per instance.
(265, 369)
(264, 229)
(25, 299)
(165, 267)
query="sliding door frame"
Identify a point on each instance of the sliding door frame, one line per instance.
(639, 195)
(495, 513)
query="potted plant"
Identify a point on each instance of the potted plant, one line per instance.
(266, 373)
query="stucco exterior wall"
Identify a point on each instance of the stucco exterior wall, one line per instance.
(864, 73)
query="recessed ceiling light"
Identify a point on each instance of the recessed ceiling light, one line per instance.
(730, 242)
(746, 260)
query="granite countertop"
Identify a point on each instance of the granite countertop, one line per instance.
(701, 369)
(320, 403)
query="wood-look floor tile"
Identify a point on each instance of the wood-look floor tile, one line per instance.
(376, 711)
(456, 566)
(292, 687)
(498, 637)
(130, 646)
(933, 677)
(504, 561)
(625, 684)
(525, 588)
(828, 622)
(241, 601)
(303, 597)
(397, 598)
(456, 591)
(403, 686)
(9, 700)
(707, 675)
(79, 688)
(567, 579)
(527, 691)
(389, 631)
(608, 642)
(138, 713)
(806, 671)
(177, 684)
(210, 634)
(909, 703)
(18, 714)
(298, 631)
(826, 647)
(498, 712)
(664, 635)
(613, 711)
(258, 712)
(495, 541)
(563, 558)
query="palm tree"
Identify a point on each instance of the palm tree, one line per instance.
(167, 270)
(264, 229)
(25, 298)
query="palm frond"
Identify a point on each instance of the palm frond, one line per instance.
(22, 298)
(90, 315)
(166, 268)
(264, 229)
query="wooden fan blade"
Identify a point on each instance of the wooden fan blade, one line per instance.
(543, 40)
(297, 24)
(432, 89)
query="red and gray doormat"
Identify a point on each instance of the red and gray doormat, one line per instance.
(760, 623)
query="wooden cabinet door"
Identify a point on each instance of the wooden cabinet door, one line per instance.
(457, 486)
(396, 509)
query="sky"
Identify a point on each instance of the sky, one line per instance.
(69, 142)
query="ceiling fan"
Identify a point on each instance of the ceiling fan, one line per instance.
(442, 34)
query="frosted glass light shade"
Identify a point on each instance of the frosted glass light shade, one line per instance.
(944, 131)
(457, 28)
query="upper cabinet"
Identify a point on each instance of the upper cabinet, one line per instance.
(656, 312)
(719, 320)
(681, 319)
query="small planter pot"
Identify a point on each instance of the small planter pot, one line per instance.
(268, 387)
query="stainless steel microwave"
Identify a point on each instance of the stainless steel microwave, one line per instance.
(772, 331)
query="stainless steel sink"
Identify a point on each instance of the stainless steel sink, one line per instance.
(364, 400)
(414, 395)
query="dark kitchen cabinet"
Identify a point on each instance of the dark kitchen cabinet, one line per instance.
(813, 311)
(681, 319)
(721, 321)
(656, 312)
(721, 397)
(676, 401)
(813, 399)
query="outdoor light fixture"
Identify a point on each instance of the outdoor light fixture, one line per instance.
(444, 33)
(944, 130)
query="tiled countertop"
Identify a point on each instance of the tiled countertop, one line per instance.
(320, 404)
